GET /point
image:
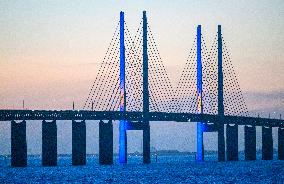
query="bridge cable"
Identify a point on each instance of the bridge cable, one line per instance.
(100, 69)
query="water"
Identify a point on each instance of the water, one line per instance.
(168, 169)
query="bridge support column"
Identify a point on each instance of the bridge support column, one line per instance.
(250, 143)
(18, 144)
(200, 126)
(49, 143)
(221, 143)
(122, 142)
(221, 138)
(122, 88)
(199, 142)
(232, 142)
(267, 143)
(281, 143)
(105, 143)
(78, 142)
(146, 144)
(146, 129)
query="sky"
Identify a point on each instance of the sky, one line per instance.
(50, 51)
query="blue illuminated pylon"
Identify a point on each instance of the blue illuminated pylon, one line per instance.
(200, 126)
(122, 123)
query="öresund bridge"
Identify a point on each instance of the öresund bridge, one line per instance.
(133, 87)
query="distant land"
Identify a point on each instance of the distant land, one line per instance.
(158, 152)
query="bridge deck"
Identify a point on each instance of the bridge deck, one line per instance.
(9, 115)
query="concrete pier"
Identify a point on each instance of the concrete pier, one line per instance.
(18, 144)
(267, 143)
(232, 142)
(281, 143)
(105, 143)
(49, 143)
(78, 142)
(146, 144)
(250, 142)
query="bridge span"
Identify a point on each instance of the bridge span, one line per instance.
(134, 120)
(10, 115)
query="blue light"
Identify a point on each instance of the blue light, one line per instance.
(122, 142)
(200, 126)
(122, 123)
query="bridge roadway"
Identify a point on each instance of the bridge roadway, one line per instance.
(9, 115)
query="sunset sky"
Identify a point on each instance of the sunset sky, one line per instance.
(50, 51)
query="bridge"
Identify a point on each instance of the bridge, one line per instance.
(133, 87)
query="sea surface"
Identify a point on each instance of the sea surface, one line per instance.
(167, 169)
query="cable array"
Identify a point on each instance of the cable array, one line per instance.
(107, 79)
(234, 103)
(185, 99)
(105, 92)
(160, 87)
(134, 97)
(209, 77)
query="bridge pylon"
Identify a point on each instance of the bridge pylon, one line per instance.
(218, 126)
(146, 130)
(122, 87)
(200, 126)
(221, 138)
(125, 125)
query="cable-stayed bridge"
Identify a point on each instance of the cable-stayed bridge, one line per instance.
(133, 87)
